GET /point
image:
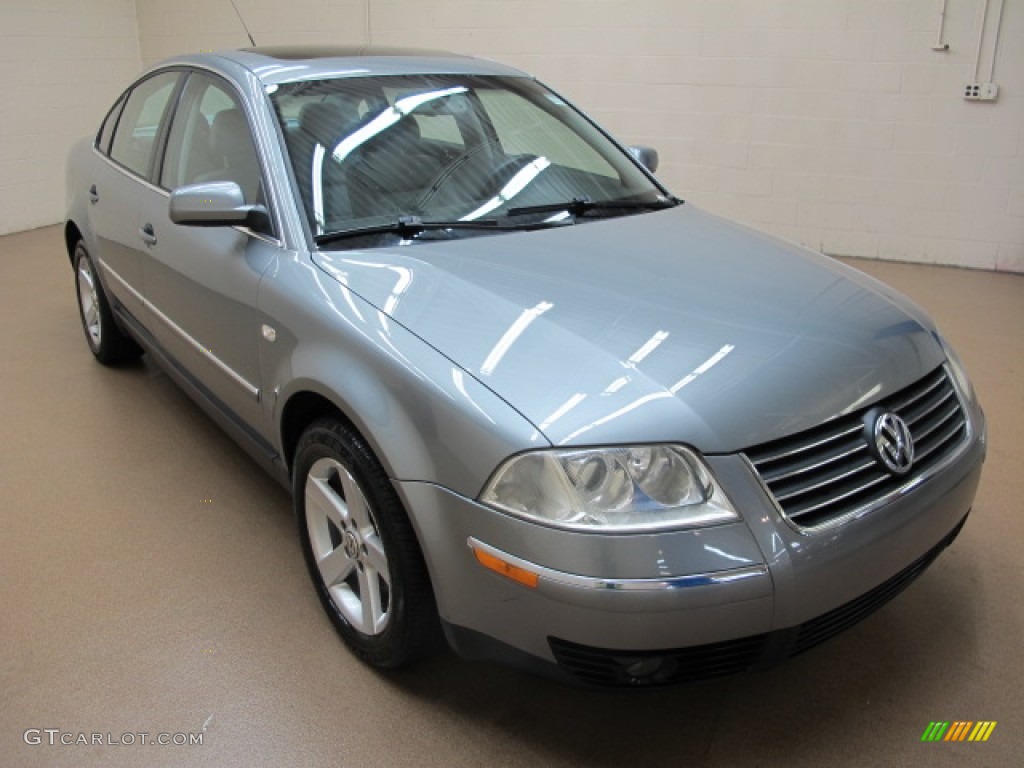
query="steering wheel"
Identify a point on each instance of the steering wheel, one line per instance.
(445, 175)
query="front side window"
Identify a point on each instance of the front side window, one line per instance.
(498, 152)
(136, 133)
(210, 140)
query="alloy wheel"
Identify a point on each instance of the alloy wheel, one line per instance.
(347, 547)
(89, 303)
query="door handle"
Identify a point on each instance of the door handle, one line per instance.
(94, 196)
(147, 234)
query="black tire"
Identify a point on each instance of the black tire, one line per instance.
(107, 342)
(379, 597)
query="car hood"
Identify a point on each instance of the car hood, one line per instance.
(674, 325)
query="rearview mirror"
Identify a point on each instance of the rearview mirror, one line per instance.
(216, 204)
(646, 156)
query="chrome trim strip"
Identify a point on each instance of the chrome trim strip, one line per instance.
(909, 401)
(942, 439)
(880, 478)
(777, 475)
(868, 463)
(258, 236)
(127, 286)
(941, 420)
(893, 495)
(667, 584)
(130, 174)
(829, 439)
(951, 410)
(224, 367)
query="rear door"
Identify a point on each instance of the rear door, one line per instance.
(128, 143)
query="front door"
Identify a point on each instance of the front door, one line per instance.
(202, 282)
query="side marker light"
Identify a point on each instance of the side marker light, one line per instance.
(509, 571)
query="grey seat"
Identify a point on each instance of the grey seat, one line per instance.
(391, 172)
(323, 124)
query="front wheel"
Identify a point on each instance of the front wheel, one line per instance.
(107, 342)
(360, 548)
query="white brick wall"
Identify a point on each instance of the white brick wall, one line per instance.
(169, 27)
(62, 63)
(830, 122)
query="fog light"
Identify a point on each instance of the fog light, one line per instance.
(649, 669)
(644, 667)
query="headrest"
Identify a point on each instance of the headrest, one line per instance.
(228, 128)
(405, 131)
(327, 120)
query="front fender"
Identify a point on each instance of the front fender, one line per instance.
(426, 419)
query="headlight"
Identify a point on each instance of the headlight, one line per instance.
(956, 367)
(637, 488)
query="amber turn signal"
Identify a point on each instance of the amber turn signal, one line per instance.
(509, 571)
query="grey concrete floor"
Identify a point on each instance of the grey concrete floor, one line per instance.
(151, 582)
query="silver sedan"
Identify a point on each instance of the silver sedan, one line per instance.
(526, 400)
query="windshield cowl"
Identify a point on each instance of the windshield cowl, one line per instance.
(409, 229)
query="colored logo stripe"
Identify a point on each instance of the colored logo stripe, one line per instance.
(982, 731)
(959, 730)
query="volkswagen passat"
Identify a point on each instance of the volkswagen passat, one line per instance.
(525, 398)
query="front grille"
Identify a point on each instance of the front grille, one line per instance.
(827, 472)
(601, 666)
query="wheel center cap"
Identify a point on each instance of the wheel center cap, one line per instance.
(351, 545)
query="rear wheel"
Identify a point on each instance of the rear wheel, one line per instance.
(107, 342)
(360, 548)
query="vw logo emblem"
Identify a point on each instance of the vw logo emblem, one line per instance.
(894, 445)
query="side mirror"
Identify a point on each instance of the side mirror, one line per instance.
(216, 204)
(646, 156)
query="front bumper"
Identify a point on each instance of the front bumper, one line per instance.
(671, 606)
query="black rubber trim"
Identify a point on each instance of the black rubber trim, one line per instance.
(243, 434)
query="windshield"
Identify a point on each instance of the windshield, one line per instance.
(372, 151)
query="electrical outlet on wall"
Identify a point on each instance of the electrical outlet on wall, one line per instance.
(981, 91)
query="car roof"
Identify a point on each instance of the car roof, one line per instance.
(285, 64)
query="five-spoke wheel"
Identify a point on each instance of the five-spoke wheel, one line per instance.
(347, 547)
(361, 549)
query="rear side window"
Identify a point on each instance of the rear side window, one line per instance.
(136, 132)
(107, 129)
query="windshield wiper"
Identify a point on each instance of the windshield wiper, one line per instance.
(404, 226)
(578, 206)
